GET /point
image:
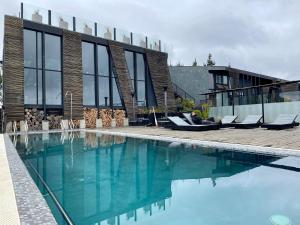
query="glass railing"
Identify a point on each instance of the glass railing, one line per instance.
(35, 14)
(61, 21)
(267, 100)
(123, 36)
(53, 18)
(85, 26)
(106, 32)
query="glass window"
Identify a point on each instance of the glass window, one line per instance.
(40, 87)
(130, 63)
(103, 91)
(53, 87)
(52, 52)
(89, 90)
(29, 48)
(30, 86)
(141, 93)
(88, 58)
(116, 94)
(39, 50)
(140, 67)
(103, 61)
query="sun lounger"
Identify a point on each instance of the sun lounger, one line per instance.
(188, 117)
(251, 121)
(228, 121)
(180, 124)
(283, 121)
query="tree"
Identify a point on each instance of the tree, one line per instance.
(195, 63)
(179, 64)
(209, 61)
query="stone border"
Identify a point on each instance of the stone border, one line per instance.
(212, 144)
(32, 207)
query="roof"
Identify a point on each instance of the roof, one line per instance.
(232, 69)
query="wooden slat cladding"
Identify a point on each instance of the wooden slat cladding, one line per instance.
(121, 70)
(72, 71)
(13, 69)
(160, 76)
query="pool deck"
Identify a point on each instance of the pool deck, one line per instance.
(281, 139)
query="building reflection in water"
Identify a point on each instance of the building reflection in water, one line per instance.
(105, 179)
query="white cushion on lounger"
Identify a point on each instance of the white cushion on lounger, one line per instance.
(252, 119)
(285, 119)
(228, 119)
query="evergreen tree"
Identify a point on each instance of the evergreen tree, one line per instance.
(195, 63)
(209, 61)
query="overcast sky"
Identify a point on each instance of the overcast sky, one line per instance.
(261, 36)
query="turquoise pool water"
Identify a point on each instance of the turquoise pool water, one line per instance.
(103, 179)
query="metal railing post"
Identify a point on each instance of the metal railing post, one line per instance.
(262, 104)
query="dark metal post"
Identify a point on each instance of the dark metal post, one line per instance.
(131, 38)
(96, 29)
(159, 45)
(49, 17)
(262, 104)
(233, 103)
(74, 23)
(115, 34)
(146, 42)
(133, 105)
(22, 10)
(166, 101)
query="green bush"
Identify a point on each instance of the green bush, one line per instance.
(186, 105)
(204, 112)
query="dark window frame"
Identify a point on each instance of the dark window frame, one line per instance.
(136, 80)
(96, 76)
(44, 106)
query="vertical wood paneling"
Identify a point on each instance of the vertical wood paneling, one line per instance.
(72, 72)
(13, 69)
(160, 76)
(121, 70)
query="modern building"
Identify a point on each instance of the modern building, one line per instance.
(48, 58)
(198, 80)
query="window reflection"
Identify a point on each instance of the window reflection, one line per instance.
(53, 88)
(88, 90)
(30, 86)
(52, 52)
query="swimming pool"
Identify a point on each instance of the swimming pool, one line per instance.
(105, 179)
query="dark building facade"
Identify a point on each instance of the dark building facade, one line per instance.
(198, 80)
(43, 65)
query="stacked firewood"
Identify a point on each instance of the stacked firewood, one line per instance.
(76, 124)
(34, 118)
(54, 121)
(90, 116)
(106, 116)
(119, 116)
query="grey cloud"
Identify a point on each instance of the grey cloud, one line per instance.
(257, 35)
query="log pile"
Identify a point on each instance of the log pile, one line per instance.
(90, 116)
(106, 116)
(34, 118)
(76, 124)
(119, 116)
(54, 121)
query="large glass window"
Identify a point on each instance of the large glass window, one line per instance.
(35, 71)
(137, 71)
(99, 86)
(104, 76)
(52, 52)
(88, 65)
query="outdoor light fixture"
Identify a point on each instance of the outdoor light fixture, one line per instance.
(166, 101)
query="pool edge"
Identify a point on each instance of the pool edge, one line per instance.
(31, 205)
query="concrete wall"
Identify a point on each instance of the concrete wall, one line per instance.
(193, 79)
